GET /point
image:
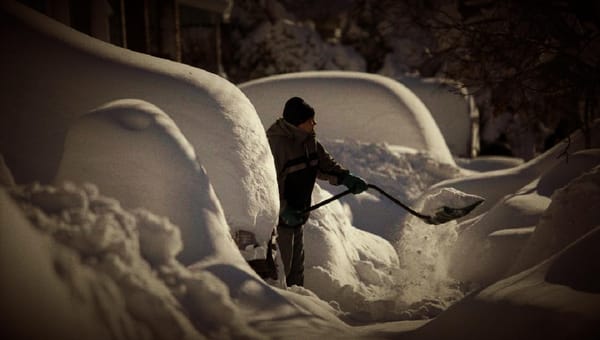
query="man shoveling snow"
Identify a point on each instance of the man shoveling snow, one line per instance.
(299, 160)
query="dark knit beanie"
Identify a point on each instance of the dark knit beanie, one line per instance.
(297, 111)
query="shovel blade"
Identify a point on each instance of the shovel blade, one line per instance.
(446, 214)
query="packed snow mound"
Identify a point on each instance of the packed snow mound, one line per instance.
(487, 244)
(553, 300)
(495, 185)
(353, 106)
(69, 74)
(360, 274)
(483, 256)
(567, 218)
(119, 263)
(135, 153)
(36, 302)
(402, 173)
(420, 286)
(347, 265)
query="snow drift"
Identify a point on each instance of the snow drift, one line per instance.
(487, 246)
(69, 74)
(495, 185)
(137, 136)
(97, 271)
(78, 264)
(557, 299)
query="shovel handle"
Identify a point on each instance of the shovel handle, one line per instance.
(446, 214)
(393, 199)
(372, 186)
(327, 201)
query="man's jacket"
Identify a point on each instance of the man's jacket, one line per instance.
(299, 160)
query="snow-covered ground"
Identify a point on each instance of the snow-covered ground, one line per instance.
(141, 158)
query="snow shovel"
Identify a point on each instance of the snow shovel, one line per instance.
(442, 215)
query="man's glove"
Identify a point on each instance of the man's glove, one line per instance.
(355, 184)
(291, 216)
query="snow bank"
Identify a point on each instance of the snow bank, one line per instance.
(567, 218)
(494, 185)
(553, 300)
(418, 287)
(353, 106)
(116, 265)
(81, 251)
(69, 74)
(483, 256)
(402, 173)
(356, 271)
(128, 147)
(347, 265)
(562, 173)
(435, 257)
(557, 299)
(36, 303)
(479, 257)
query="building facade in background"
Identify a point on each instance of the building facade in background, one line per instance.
(187, 31)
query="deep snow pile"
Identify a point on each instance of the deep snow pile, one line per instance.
(493, 236)
(385, 134)
(72, 256)
(347, 265)
(480, 254)
(150, 146)
(69, 74)
(576, 180)
(495, 185)
(416, 284)
(119, 266)
(402, 172)
(556, 285)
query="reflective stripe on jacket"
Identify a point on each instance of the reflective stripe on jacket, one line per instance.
(299, 160)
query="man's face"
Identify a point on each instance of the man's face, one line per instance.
(308, 126)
